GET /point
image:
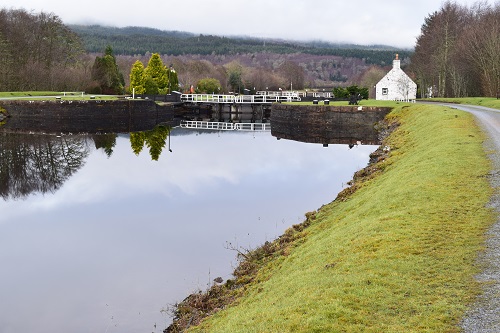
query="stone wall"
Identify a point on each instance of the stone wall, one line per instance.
(90, 116)
(326, 124)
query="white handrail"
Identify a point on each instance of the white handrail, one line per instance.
(238, 99)
(223, 126)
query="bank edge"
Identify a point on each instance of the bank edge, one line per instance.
(396, 254)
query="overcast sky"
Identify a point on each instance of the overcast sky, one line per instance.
(390, 22)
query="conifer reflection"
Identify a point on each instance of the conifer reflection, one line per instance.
(38, 163)
(105, 141)
(154, 139)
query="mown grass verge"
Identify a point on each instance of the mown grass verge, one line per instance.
(394, 253)
(29, 93)
(489, 102)
(51, 95)
(364, 102)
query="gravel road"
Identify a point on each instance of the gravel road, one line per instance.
(484, 315)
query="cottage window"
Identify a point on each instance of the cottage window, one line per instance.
(385, 91)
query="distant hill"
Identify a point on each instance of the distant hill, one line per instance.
(140, 40)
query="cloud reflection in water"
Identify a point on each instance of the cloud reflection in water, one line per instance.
(126, 235)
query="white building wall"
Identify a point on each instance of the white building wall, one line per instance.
(396, 85)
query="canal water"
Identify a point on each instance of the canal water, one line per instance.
(99, 233)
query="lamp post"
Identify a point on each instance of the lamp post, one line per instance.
(170, 150)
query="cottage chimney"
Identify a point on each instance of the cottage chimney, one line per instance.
(396, 64)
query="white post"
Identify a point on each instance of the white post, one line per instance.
(133, 93)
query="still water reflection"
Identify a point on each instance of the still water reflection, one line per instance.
(97, 235)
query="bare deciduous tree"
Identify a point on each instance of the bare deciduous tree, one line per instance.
(370, 78)
(41, 48)
(458, 51)
(293, 74)
(482, 46)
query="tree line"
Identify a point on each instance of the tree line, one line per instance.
(138, 40)
(457, 53)
(38, 163)
(37, 52)
(43, 163)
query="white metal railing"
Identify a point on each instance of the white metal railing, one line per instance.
(222, 126)
(239, 99)
(280, 93)
(316, 94)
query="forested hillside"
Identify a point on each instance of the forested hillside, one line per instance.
(139, 41)
(238, 63)
(39, 52)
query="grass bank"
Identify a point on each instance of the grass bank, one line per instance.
(489, 102)
(364, 102)
(482, 101)
(396, 255)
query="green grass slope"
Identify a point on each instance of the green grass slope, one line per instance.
(398, 255)
(489, 102)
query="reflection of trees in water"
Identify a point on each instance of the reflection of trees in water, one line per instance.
(38, 163)
(42, 163)
(155, 140)
(106, 142)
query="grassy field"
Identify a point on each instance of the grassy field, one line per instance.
(50, 95)
(32, 93)
(397, 255)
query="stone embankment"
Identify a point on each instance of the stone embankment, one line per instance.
(91, 116)
(327, 124)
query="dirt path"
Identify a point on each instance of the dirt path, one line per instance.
(484, 315)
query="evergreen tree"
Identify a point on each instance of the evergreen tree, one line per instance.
(150, 86)
(154, 139)
(137, 140)
(157, 71)
(154, 79)
(106, 73)
(105, 141)
(137, 78)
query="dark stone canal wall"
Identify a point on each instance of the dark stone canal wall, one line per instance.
(90, 116)
(327, 124)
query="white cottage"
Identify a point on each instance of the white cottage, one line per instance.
(396, 85)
